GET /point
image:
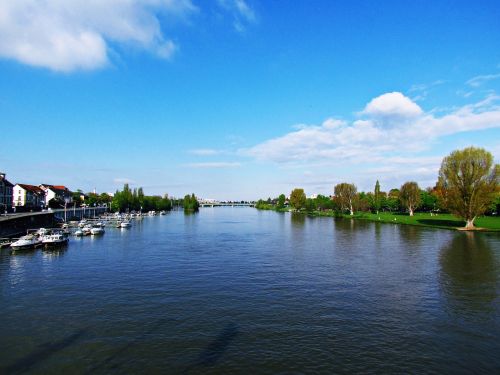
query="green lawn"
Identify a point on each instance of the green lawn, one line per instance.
(446, 221)
(425, 219)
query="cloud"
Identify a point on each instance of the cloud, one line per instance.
(241, 11)
(393, 104)
(479, 80)
(210, 165)
(376, 136)
(422, 90)
(204, 152)
(65, 36)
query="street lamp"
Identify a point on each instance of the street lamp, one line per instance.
(66, 201)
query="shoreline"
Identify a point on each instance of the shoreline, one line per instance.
(439, 221)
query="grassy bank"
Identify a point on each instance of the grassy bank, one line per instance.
(444, 221)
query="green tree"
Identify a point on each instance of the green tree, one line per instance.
(281, 202)
(77, 198)
(324, 203)
(428, 200)
(377, 197)
(409, 196)
(392, 201)
(190, 203)
(297, 199)
(310, 205)
(470, 181)
(346, 194)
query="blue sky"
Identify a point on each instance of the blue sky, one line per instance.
(236, 99)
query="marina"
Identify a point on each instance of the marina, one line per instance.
(60, 235)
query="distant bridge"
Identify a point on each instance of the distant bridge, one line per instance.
(226, 204)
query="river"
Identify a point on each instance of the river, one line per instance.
(238, 291)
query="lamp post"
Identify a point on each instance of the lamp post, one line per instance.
(66, 201)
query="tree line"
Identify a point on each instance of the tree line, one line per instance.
(135, 200)
(467, 186)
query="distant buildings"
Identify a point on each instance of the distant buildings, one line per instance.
(57, 192)
(28, 196)
(6, 189)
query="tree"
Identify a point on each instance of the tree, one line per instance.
(297, 199)
(428, 200)
(470, 181)
(346, 194)
(324, 203)
(77, 198)
(377, 198)
(56, 203)
(190, 203)
(409, 195)
(281, 202)
(310, 205)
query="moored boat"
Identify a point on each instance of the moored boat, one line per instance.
(26, 242)
(56, 239)
(125, 224)
(96, 231)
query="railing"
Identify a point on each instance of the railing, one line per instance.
(80, 213)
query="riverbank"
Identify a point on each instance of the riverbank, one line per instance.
(423, 219)
(443, 221)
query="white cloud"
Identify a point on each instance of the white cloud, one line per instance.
(204, 152)
(370, 139)
(213, 165)
(421, 91)
(73, 35)
(241, 11)
(479, 80)
(393, 104)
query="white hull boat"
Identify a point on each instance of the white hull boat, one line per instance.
(54, 239)
(96, 231)
(125, 224)
(26, 242)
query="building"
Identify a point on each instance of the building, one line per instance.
(58, 192)
(28, 196)
(5, 193)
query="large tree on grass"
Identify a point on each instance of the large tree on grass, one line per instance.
(469, 179)
(346, 193)
(409, 194)
(298, 199)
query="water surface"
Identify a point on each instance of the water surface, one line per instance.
(236, 290)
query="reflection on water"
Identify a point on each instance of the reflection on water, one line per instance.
(469, 273)
(298, 220)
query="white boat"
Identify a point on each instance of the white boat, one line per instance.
(25, 242)
(42, 232)
(54, 239)
(86, 230)
(82, 223)
(152, 213)
(125, 224)
(79, 233)
(96, 231)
